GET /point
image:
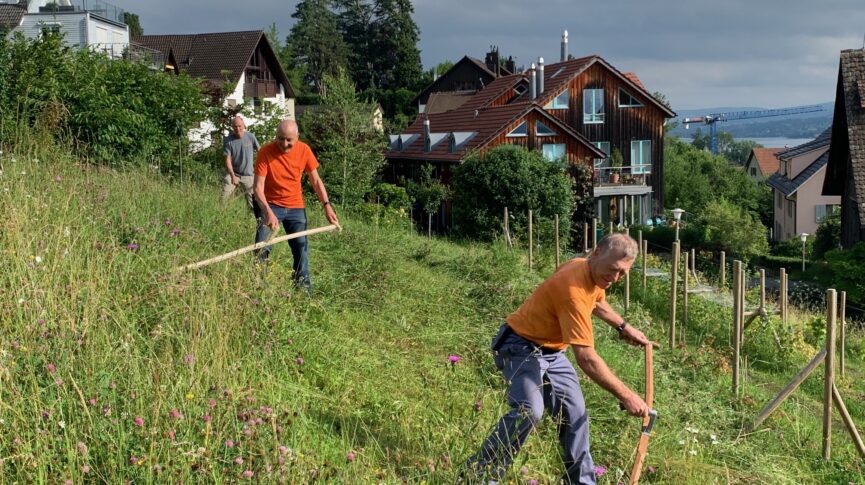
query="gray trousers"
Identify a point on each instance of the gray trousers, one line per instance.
(537, 381)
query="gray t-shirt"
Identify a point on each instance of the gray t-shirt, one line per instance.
(242, 151)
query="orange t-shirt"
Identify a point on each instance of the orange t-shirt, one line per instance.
(559, 312)
(282, 173)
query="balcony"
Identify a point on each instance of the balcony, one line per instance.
(629, 180)
(260, 89)
(95, 7)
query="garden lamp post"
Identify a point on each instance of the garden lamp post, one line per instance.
(803, 237)
(677, 214)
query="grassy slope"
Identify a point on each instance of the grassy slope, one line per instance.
(222, 347)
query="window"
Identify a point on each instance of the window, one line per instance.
(593, 106)
(604, 146)
(753, 171)
(521, 89)
(553, 151)
(626, 100)
(641, 156)
(543, 130)
(821, 211)
(521, 130)
(561, 101)
(50, 28)
(778, 200)
(791, 209)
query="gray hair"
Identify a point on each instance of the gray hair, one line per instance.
(619, 243)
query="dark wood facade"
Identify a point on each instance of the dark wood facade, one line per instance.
(621, 125)
(260, 81)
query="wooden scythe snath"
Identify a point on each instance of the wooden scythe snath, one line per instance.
(648, 421)
(255, 246)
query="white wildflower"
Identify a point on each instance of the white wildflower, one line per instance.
(38, 259)
(693, 452)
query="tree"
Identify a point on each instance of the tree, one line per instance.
(355, 22)
(285, 54)
(512, 177)
(316, 43)
(342, 133)
(734, 151)
(734, 229)
(134, 24)
(828, 235)
(429, 192)
(397, 58)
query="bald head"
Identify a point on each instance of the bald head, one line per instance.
(238, 125)
(612, 259)
(286, 135)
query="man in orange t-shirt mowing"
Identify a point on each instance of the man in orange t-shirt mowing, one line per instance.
(530, 349)
(279, 168)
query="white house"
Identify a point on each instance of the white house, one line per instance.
(240, 67)
(83, 23)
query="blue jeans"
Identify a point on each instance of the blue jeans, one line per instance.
(293, 220)
(537, 381)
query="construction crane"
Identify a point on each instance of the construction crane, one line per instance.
(712, 119)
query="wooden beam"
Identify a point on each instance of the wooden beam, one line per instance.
(848, 421)
(829, 382)
(674, 276)
(785, 393)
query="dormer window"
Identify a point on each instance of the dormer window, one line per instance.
(458, 139)
(521, 130)
(626, 100)
(561, 101)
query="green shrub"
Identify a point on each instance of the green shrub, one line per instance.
(845, 270)
(828, 235)
(392, 196)
(512, 177)
(734, 229)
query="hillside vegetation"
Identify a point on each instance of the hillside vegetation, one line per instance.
(112, 368)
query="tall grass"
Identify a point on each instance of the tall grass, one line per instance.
(113, 368)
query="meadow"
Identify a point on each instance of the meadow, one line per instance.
(113, 368)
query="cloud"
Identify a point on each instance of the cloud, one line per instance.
(700, 53)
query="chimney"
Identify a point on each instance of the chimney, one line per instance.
(492, 60)
(426, 138)
(533, 86)
(511, 65)
(564, 46)
(540, 76)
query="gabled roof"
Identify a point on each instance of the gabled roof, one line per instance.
(558, 75)
(848, 139)
(789, 187)
(11, 15)
(446, 101)
(822, 141)
(486, 125)
(475, 63)
(766, 159)
(216, 57)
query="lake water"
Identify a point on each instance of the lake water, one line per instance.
(778, 142)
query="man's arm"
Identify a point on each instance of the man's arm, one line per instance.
(229, 168)
(269, 217)
(594, 366)
(605, 312)
(321, 192)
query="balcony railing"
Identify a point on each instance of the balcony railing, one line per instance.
(97, 7)
(630, 175)
(261, 89)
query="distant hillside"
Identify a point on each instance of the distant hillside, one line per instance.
(790, 126)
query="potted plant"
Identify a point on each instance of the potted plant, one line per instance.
(616, 160)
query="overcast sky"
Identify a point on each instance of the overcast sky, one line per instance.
(700, 53)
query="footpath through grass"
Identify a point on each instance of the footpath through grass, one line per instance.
(113, 369)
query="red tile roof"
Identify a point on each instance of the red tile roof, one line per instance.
(767, 159)
(632, 76)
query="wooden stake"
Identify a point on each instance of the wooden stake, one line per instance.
(848, 421)
(785, 393)
(611, 228)
(742, 305)
(255, 246)
(674, 276)
(829, 366)
(842, 323)
(594, 233)
(686, 277)
(734, 332)
(531, 240)
(762, 289)
(627, 290)
(640, 243)
(558, 255)
(645, 262)
(784, 302)
(586, 238)
(694, 263)
(723, 270)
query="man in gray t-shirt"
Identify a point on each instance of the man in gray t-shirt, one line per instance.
(239, 149)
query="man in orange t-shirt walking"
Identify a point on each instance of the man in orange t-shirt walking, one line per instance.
(530, 351)
(279, 168)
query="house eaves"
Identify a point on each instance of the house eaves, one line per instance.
(789, 187)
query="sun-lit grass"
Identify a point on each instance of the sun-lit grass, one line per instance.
(114, 368)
